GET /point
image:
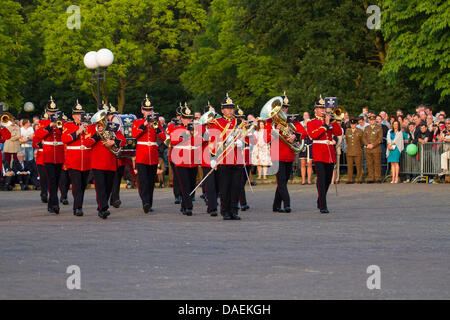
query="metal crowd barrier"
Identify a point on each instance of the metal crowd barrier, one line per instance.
(427, 161)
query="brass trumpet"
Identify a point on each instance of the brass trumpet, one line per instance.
(338, 113)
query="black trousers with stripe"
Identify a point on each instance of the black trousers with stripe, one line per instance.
(176, 183)
(146, 176)
(115, 193)
(53, 174)
(103, 187)
(211, 189)
(43, 180)
(64, 183)
(229, 188)
(282, 193)
(79, 181)
(244, 179)
(324, 172)
(186, 178)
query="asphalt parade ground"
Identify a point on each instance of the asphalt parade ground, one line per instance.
(404, 230)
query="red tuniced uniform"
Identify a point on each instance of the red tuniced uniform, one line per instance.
(323, 147)
(101, 157)
(78, 155)
(146, 145)
(53, 147)
(220, 130)
(184, 147)
(280, 151)
(4, 135)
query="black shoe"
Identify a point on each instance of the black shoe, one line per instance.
(203, 196)
(235, 217)
(177, 200)
(226, 217)
(102, 215)
(116, 204)
(281, 210)
(26, 188)
(146, 207)
(325, 210)
(54, 209)
(245, 207)
(349, 182)
(44, 199)
(188, 212)
(106, 213)
(378, 181)
(276, 209)
(78, 212)
(65, 202)
(287, 209)
(370, 181)
(213, 213)
(193, 198)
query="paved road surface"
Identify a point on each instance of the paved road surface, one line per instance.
(404, 229)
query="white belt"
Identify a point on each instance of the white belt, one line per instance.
(323, 142)
(42, 150)
(147, 143)
(53, 143)
(185, 147)
(247, 148)
(77, 148)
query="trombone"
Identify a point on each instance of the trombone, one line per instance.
(5, 118)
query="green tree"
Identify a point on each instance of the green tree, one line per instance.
(148, 39)
(418, 33)
(258, 49)
(13, 53)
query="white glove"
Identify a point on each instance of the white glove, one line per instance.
(206, 135)
(213, 163)
(239, 144)
(229, 139)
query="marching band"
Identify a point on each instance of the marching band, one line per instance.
(91, 146)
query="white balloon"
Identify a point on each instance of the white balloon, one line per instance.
(104, 57)
(28, 107)
(90, 60)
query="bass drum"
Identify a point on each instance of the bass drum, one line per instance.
(126, 122)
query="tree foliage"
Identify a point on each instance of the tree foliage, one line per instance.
(419, 43)
(148, 39)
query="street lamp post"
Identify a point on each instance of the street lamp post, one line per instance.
(96, 61)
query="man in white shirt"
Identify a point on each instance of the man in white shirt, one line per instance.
(26, 138)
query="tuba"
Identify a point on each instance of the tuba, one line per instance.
(272, 110)
(5, 118)
(100, 120)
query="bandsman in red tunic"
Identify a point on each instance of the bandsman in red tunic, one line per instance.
(224, 134)
(78, 155)
(103, 163)
(211, 184)
(185, 140)
(49, 133)
(321, 130)
(244, 158)
(5, 134)
(43, 182)
(145, 131)
(175, 184)
(283, 156)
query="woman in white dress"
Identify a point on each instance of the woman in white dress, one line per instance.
(261, 151)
